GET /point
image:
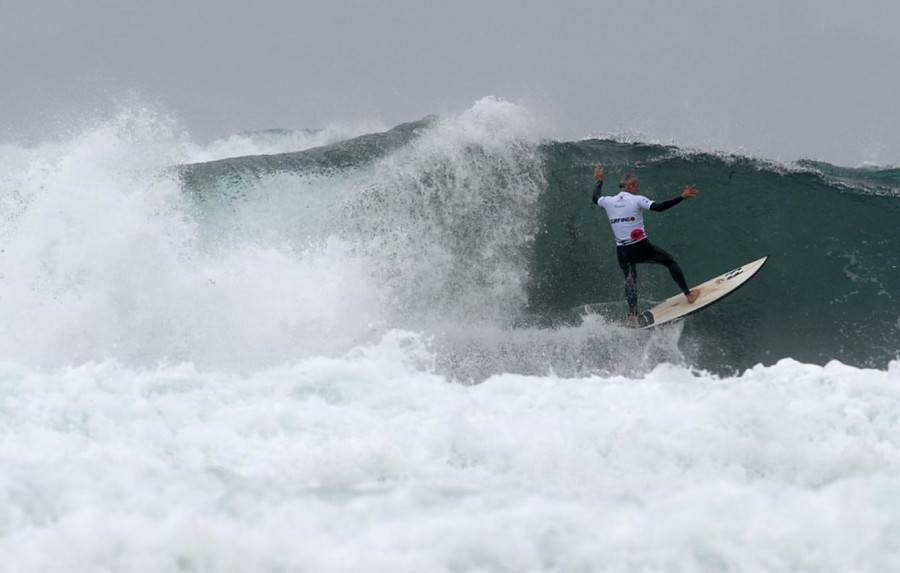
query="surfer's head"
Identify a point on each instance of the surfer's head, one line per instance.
(629, 182)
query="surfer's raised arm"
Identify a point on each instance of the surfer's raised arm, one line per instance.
(598, 176)
(689, 191)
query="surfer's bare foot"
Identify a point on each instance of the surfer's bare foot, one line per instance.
(632, 320)
(693, 296)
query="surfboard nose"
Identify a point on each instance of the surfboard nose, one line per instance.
(713, 290)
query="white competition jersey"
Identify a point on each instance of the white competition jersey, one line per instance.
(626, 217)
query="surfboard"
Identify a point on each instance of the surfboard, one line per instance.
(711, 291)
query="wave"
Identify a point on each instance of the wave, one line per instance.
(829, 291)
(471, 230)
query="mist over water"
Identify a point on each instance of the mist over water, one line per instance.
(403, 351)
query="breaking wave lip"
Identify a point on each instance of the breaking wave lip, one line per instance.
(276, 141)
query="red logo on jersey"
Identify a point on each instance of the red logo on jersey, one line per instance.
(637, 235)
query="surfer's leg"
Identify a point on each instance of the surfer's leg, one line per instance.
(631, 291)
(629, 269)
(661, 257)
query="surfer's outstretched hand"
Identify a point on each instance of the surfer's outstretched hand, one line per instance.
(598, 174)
(690, 191)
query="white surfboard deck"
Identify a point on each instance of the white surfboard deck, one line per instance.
(710, 292)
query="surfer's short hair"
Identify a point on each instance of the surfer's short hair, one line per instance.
(626, 179)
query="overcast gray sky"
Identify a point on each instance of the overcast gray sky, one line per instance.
(785, 79)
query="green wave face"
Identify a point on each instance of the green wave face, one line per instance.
(830, 290)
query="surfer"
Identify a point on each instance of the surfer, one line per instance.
(632, 246)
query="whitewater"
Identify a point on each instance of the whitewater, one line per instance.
(370, 349)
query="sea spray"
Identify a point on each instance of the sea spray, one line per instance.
(104, 257)
(450, 217)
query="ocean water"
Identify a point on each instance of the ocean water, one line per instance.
(401, 350)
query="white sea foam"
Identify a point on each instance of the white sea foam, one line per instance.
(370, 462)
